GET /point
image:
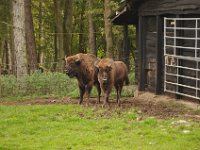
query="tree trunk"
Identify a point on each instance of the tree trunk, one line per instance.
(1, 54)
(81, 36)
(126, 47)
(19, 38)
(59, 51)
(92, 34)
(8, 57)
(40, 56)
(13, 65)
(30, 38)
(108, 29)
(119, 49)
(11, 41)
(68, 27)
(56, 52)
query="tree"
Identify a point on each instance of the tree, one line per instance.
(59, 51)
(41, 38)
(81, 35)
(108, 29)
(19, 37)
(5, 40)
(92, 34)
(68, 26)
(54, 22)
(30, 38)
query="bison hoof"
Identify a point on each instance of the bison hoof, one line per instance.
(97, 102)
(106, 105)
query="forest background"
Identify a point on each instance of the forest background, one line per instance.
(38, 34)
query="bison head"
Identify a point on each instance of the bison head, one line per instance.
(72, 65)
(104, 71)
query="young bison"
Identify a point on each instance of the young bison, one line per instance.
(112, 73)
(81, 66)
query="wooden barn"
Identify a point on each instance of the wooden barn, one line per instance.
(167, 44)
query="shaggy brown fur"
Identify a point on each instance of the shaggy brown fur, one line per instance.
(81, 66)
(112, 73)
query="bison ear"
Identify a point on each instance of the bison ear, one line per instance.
(78, 62)
(109, 67)
(96, 66)
(96, 63)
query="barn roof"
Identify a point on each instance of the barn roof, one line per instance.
(129, 10)
(125, 14)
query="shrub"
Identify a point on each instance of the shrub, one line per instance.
(40, 85)
(36, 85)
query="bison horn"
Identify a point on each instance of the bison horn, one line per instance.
(65, 58)
(97, 66)
(78, 62)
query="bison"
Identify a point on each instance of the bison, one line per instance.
(112, 73)
(81, 66)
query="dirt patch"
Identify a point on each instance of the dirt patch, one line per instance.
(49, 101)
(146, 104)
(166, 107)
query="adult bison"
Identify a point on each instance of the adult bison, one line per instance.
(112, 73)
(81, 66)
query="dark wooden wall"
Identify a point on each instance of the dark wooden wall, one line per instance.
(151, 40)
(151, 56)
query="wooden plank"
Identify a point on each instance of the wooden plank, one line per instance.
(159, 55)
(137, 55)
(142, 51)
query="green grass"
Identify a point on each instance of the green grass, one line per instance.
(88, 128)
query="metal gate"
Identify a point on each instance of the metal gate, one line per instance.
(182, 56)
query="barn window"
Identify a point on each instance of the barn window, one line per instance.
(182, 56)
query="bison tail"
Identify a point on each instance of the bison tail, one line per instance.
(127, 81)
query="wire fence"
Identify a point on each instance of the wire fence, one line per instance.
(7, 69)
(50, 66)
(51, 33)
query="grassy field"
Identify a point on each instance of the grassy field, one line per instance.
(90, 128)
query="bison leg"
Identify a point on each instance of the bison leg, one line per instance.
(82, 92)
(119, 90)
(99, 92)
(88, 91)
(106, 101)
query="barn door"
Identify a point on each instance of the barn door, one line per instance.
(150, 56)
(182, 56)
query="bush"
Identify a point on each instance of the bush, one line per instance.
(40, 85)
(36, 85)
